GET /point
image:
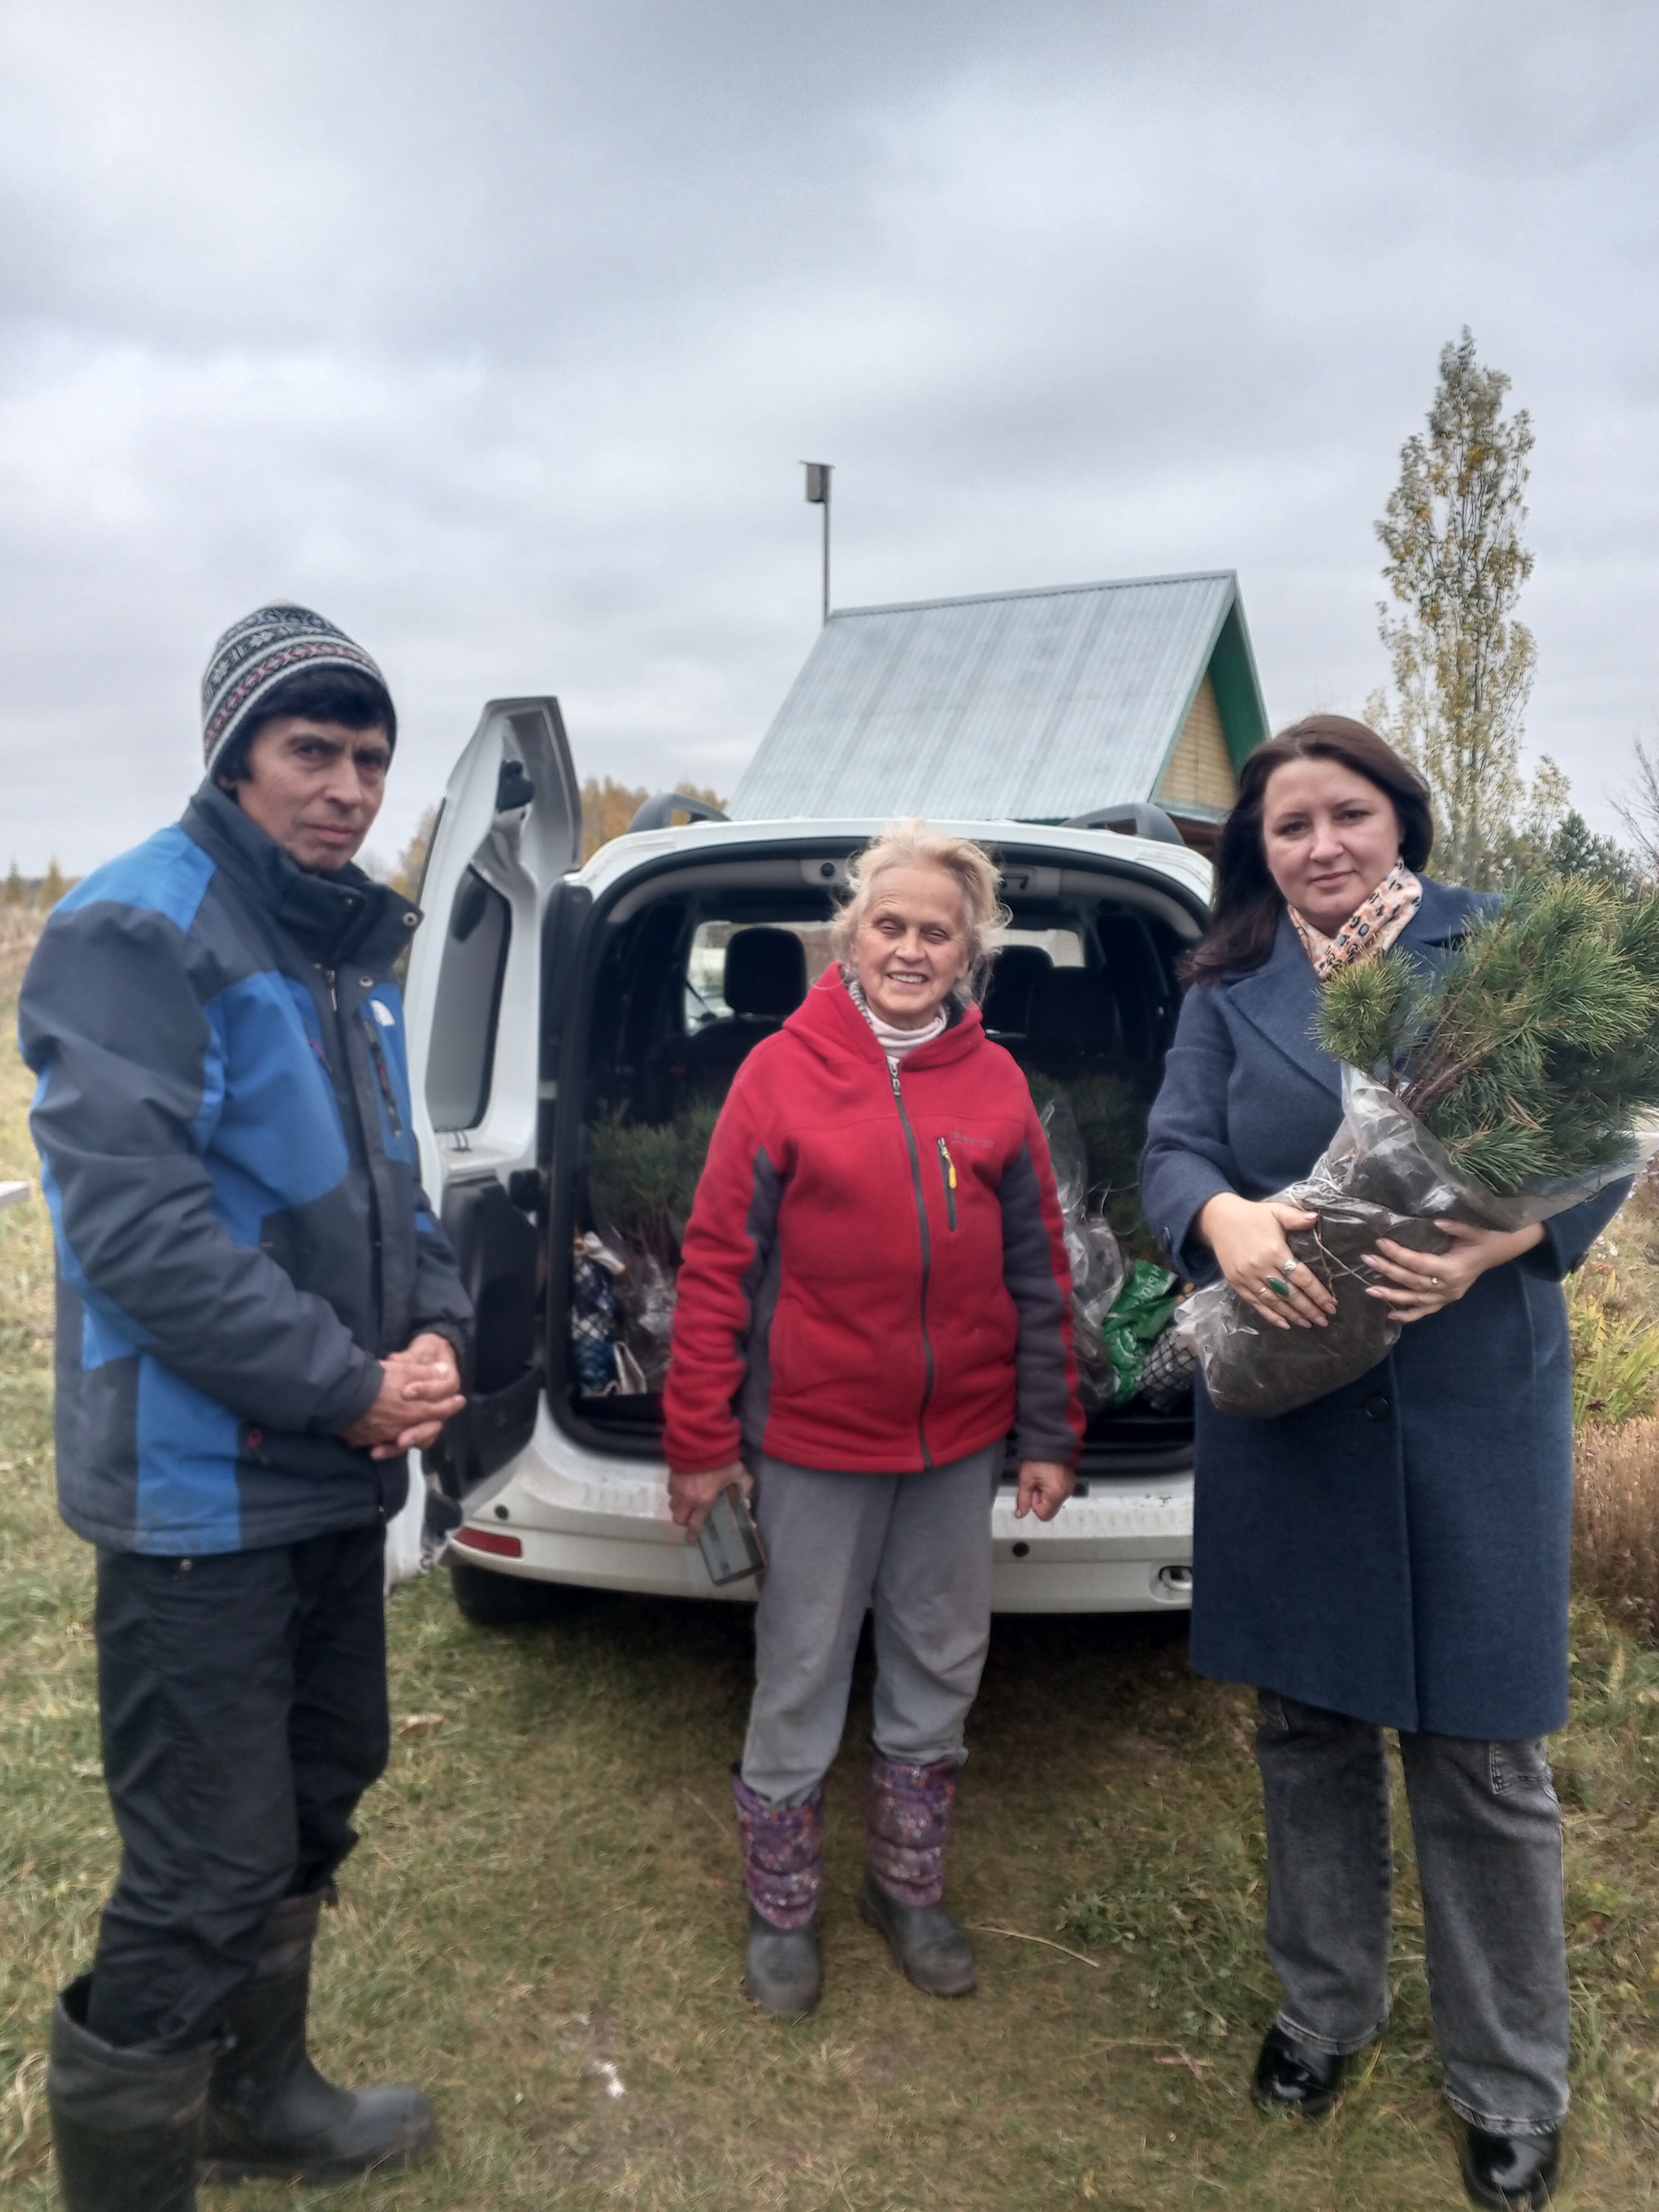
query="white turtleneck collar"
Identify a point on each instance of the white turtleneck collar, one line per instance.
(894, 1042)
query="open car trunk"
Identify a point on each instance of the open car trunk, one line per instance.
(686, 968)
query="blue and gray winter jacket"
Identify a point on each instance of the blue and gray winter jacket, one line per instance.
(223, 1122)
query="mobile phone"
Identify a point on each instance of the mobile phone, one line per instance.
(730, 1543)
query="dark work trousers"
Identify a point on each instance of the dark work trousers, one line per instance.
(243, 1701)
(1488, 1834)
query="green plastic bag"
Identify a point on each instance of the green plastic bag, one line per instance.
(1140, 1314)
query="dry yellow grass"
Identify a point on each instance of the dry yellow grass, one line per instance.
(1616, 1522)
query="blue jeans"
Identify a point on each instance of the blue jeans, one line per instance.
(1487, 1827)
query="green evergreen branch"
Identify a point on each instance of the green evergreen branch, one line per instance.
(1533, 1047)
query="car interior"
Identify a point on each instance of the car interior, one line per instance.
(689, 974)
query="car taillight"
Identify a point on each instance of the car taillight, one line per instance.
(487, 1540)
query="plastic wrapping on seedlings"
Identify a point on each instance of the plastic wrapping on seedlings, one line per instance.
(647, 1300)
(1139, 1318)
(1166, 1375)
(1110, 1112)
(1381, 1175)
(642, 1178)
(1099, 1267)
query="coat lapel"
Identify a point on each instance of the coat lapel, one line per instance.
(1281, 1000)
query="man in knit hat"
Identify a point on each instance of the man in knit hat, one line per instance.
(257, 1319)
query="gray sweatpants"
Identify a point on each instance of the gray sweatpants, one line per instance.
(916, 1548)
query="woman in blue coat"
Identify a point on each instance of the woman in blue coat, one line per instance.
(1395, 1555)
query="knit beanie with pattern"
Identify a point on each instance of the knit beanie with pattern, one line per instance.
(257, 654)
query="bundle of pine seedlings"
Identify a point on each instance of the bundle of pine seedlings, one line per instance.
(642, 1177)
(1498, 1085)
(1533, 1052)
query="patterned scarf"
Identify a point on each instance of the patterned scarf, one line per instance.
(1368, 931)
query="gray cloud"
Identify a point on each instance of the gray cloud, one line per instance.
(497, 332)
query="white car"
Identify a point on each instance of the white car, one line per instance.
(547, 1001)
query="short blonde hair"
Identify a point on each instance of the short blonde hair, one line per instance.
(916, 844)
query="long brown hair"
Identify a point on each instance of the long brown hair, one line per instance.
(1247, 902)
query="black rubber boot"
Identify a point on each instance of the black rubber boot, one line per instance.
(1509, 2171)
(269, 2112)
(782, 1971)
(927, 1942)
(125, 2124)
(1291, 2077)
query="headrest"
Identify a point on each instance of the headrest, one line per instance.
(1019, 969)
(765, 973)
(1075, 1010)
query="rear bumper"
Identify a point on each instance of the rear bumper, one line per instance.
(579, 1516)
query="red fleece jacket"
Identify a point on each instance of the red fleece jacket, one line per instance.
(874, 1275)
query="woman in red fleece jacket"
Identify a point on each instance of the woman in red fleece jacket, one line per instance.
(874, 1293)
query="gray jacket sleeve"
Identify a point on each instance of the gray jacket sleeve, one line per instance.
(1048, 1418)
(130, 1085)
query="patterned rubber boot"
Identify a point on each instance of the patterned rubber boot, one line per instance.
(782, 1873)
(904, 1873)
(126, 2125)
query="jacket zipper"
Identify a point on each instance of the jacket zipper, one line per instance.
(383, 1076)
(927, 1259)
(948, 1166)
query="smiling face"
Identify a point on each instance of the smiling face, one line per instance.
(315, 787)
(912, 947)
(1329, 836)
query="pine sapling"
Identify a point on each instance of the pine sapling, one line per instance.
(1532, 1048)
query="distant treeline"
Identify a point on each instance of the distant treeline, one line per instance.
(38, 893)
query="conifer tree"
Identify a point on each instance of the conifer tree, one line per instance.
(1462, 662)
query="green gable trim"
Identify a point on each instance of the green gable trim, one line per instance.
(1239, 688)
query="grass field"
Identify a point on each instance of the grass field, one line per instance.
(543, 1924)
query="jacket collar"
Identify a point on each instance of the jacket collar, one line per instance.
(343, 915)
(828, 1022)
(1281, 998)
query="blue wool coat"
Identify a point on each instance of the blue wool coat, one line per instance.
(1400, 1550)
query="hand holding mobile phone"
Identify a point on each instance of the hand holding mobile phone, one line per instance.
(730, 1543)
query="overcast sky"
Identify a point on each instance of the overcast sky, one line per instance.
(497, 332)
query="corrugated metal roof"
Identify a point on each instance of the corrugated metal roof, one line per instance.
(1027, 706)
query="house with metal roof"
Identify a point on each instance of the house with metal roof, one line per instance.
(1036, 706)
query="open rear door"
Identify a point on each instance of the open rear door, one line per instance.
(509, 829)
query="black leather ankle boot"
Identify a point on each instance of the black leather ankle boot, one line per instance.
(271, 2113)
(1509, 2171)
(1290, 2077)
(125, 2124)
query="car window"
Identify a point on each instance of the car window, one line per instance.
(1063, 946)
(705, 967)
